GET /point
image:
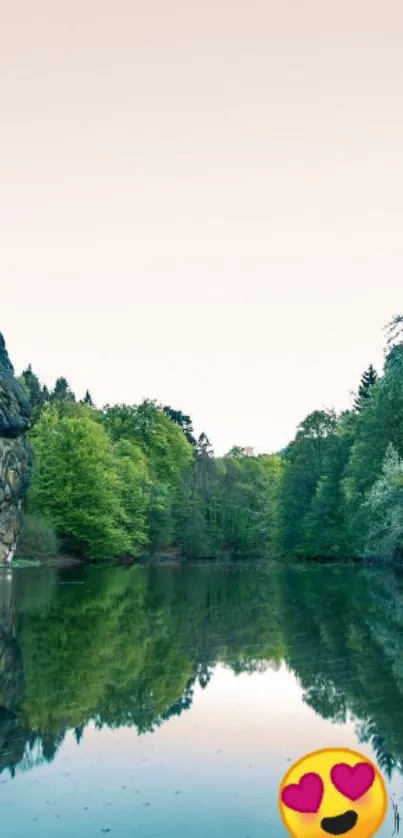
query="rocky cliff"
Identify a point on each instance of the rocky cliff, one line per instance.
(15, 454)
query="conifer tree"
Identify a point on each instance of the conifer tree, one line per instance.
(88, 399)
(37, 394)
(62, 391)
(183, 421)
(368, 379)
(394, 330)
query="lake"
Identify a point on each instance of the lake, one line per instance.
(164, 701)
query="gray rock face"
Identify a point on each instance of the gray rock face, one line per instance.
(15, 454)
(14, 406)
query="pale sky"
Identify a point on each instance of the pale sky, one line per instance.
(202, 203)
(226, 758)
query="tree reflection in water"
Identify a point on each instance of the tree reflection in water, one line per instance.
(128, 646)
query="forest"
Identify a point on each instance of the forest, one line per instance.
(127, 481)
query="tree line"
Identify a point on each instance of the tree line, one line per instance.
(126, 480)
(341, 491)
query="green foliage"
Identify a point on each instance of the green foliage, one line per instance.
(127, 647)
(325, 523)
(37, 538)
(161, 439)
(304, 465)
(126, 479)
(248, 502)
(385, 506)
(198, 533)
(133, 478)
(37, 394)
(168, 454)
(379, 425)
(238, 452)
(161, 515)
(204, 447)
(367, 382)
(88, 399)
(183, 421)
(76, 484)
(339, 496)
(394, 330)
(62, 391)
(229, 506)
(136, 490)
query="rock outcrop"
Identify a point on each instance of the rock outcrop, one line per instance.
(15, 454)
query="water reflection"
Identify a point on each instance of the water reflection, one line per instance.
(106, 648)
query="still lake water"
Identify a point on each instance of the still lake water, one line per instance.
(170, 702)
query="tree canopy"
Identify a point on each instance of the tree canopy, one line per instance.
(134, 478)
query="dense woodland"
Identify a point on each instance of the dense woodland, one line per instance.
(132, 480)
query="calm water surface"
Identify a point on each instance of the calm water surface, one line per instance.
(169, 702)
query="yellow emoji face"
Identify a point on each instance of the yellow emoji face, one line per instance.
(333, 792)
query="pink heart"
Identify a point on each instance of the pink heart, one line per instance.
(352, 780)
(305, 796)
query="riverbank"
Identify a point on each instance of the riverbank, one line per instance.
(174, 558)
(167, 558)
(48, 561)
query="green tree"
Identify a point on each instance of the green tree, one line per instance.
(394, 330)
(88, 399)
(136, 492)
(229, 506)
(198, 534)
(325, 527)
(303, 468)
(62, 391)
(204, 447)
(385, 506)
(239, 452)
(161, 439)
(368, 379)
(247, 515)
(76, 484)
(379, 425)
(183, 421)
(37, 394)
(168, 453)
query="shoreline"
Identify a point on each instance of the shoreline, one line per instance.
(172, 559)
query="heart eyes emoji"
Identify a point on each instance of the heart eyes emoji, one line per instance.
(333, 791)
(351, 781)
